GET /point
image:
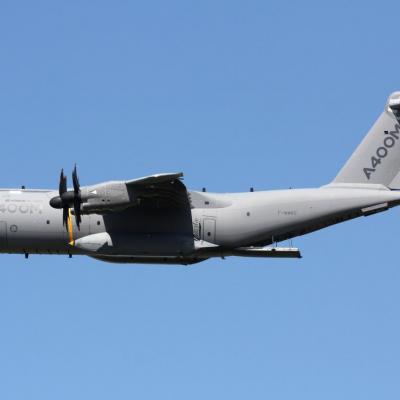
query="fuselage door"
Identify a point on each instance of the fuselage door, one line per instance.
(3, 234)
(209, 230)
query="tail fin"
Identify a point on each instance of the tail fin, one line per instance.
(377, 158)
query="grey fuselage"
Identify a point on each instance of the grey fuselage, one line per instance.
(220, 223)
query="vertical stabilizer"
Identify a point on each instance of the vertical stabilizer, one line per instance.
(377, 159)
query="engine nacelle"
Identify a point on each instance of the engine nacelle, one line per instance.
(105, 197)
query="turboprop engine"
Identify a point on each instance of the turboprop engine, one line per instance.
(95, 199)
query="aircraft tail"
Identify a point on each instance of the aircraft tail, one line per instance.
(377, 159)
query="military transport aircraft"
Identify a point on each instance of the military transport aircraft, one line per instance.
(155, 219)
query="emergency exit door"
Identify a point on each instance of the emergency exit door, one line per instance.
(209, 230)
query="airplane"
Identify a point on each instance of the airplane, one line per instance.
(156, 220)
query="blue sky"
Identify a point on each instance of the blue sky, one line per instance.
(235, 94)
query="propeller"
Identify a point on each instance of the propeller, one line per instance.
(68, 198)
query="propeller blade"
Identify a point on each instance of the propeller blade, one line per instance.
(65, 216)
(77, 197)
(75, 181)
(62, 188)
(77, 212)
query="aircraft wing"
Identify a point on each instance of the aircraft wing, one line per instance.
(160, 204)
(155, 179)
(160, 191)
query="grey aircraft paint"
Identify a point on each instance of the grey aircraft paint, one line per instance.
(156, 219)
